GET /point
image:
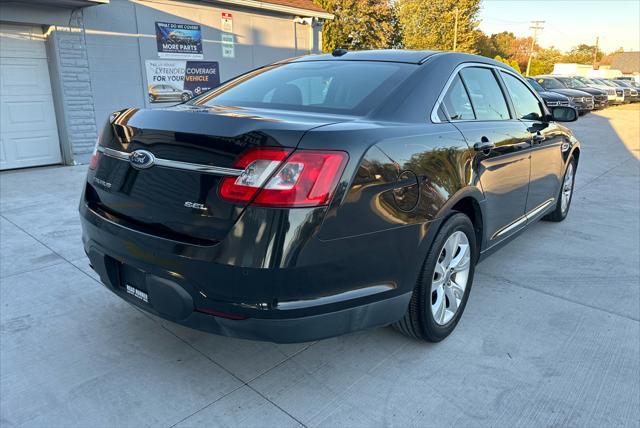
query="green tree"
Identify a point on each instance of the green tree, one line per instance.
(582, 54)
(395, 41)
(544, 60)
(428, 24)
(502, 44)
(484, 45)
(511, 62)
(358, 24)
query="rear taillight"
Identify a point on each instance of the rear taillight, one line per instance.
(95, 156)
(306, 178)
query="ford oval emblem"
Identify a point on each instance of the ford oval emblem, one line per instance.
(141, 159)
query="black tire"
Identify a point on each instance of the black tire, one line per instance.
(419, 321)
(185, 98)
(558, 214)
(152, 98)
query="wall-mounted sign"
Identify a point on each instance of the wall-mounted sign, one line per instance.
(228, 47)
(226, 22)
(179, 40)
(178, 81)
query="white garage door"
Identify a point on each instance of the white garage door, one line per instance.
(28, 131)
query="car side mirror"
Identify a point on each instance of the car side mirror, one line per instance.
(564, 114)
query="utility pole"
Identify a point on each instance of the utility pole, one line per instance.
(535, 26)
(595, 53)
(455, 31)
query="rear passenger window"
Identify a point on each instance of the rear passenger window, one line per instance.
(526, 104)
(457, 102)
(486, 95)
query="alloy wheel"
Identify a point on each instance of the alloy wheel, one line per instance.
(567, 188)
(450, 277)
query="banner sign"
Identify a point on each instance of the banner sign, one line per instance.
(179, 40)
(179, 81)
(226, 22)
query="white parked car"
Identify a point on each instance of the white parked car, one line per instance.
(622, 94)
(615, 96)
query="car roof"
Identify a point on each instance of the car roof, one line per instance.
(398, 55)
(388, 55)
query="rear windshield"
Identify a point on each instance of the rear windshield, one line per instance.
(342, 87)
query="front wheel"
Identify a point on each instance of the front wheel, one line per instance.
(444, 283)
(565, 196)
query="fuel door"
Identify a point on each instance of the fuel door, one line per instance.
(406, 192)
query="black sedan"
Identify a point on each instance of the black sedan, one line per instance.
(551, 99)
(581, 100)
(600, 98)
(325, 194)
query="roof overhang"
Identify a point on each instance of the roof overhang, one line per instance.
(290, 10)
(69, 4)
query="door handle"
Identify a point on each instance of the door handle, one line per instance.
(484, 145)
(537, 138)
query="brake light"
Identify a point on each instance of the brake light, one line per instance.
(95, 156)
(258, 165)
(306, 178)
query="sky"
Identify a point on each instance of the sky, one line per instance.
(568, 22)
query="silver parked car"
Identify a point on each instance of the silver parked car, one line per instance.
(164, 92)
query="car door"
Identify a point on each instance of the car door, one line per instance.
(476, 105)
(546, 151)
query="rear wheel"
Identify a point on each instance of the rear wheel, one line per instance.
(566, 194)
(444, 283)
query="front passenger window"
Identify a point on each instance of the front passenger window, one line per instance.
(526, 104)
(457, 102)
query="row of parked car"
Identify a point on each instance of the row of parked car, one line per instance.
(583, 93)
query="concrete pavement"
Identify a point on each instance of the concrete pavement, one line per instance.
(550, 336)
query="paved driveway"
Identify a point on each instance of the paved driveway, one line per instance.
(550, 335)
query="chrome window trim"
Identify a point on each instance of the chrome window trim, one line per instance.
(167, 163)
(454, 73)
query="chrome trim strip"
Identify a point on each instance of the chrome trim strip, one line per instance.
(534, 212)
(167, 163)
(510, 227)
(527, 217)
(114, 153)
(341, 297)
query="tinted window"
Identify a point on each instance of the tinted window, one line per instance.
(549, 83)
(350, 87)
(457, 102)
(525, 103)
(486, 95)
(535, 85)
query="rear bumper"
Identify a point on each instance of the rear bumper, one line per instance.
(171, 277)
(169, 300)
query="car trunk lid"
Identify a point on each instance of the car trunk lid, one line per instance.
(177, 197)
